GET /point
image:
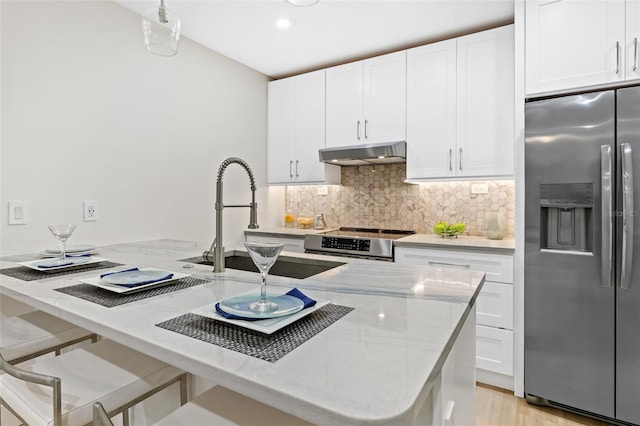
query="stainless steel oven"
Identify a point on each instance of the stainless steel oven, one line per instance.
(365, 243)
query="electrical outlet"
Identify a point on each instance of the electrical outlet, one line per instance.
(479, 188)
(323, 190)
(90, 211)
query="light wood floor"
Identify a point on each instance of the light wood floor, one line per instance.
(498, 407)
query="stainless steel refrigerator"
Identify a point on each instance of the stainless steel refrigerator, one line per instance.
(582, 253)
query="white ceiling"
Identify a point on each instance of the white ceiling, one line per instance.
(328, 33)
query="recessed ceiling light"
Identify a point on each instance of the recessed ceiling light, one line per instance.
(283, 23)
(302, 3)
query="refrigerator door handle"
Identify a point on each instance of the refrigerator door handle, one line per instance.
(627, 217)
(606, 262)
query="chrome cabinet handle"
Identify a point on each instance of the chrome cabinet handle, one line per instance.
(450, 160)
(366, 125)
(358, 129)
(461, 265)
(290, 164)
(617, 57)
(297, 175)
(460, 160)
(627, 217)
(606, 211)
(635, 54)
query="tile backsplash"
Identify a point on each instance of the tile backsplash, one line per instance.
(377, 197)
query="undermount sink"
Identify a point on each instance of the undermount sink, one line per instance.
(285, 266)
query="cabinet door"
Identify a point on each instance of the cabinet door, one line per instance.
(494, 350)
(345, 124)
(485, 133)
(573, 43)
(385, 92)
(495, 305)
(309, 127)
(459, 379)
(280, 131)
(431, 110)
(633, 40)
(497, 267)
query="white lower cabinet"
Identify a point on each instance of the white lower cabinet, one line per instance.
(459, 380)
(295, 245)
(494, 349)
(494, 306)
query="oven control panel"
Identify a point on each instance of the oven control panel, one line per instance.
(351, 244)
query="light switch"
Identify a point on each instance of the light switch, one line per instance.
(18, 212)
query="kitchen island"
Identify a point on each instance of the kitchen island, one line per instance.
(399, 357)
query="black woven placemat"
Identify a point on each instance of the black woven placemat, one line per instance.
(27, 274)
(110, 299)
(268, 347)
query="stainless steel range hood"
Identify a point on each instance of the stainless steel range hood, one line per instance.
(363, 155)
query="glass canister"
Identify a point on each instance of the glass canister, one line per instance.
(305, 220)
(319, 223)
(495, 225)
(289, 220)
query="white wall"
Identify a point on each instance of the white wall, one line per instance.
(88, 114)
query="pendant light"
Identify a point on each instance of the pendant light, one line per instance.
(161, 29)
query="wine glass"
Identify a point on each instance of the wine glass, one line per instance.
(264, 255)
(62, 233)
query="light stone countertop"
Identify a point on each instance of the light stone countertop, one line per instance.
(283, 232)
(462, 242)
(374, 366)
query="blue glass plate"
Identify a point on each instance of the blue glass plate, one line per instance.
(135, 277)
(68, 261)
(239, 305)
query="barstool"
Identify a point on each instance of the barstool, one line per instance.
(218, 406)
(105, 371)
(30, 335)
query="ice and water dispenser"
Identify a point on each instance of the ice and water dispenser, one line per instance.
(565, 216)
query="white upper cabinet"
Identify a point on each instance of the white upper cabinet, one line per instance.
(431, 110)
(632, 59)
(460, 107)
(295, 131)
(366, 101)
(574, 44)
(485, 126)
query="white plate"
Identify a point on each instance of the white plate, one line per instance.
(47, 253)
(267, 326)
(72, 248)
(33, 264)
(99, 282)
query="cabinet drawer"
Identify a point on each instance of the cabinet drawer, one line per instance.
(495, 305)
(295, 245)
(497, 267)
(494, 350)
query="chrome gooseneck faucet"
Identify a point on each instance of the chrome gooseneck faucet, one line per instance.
(217, 248)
